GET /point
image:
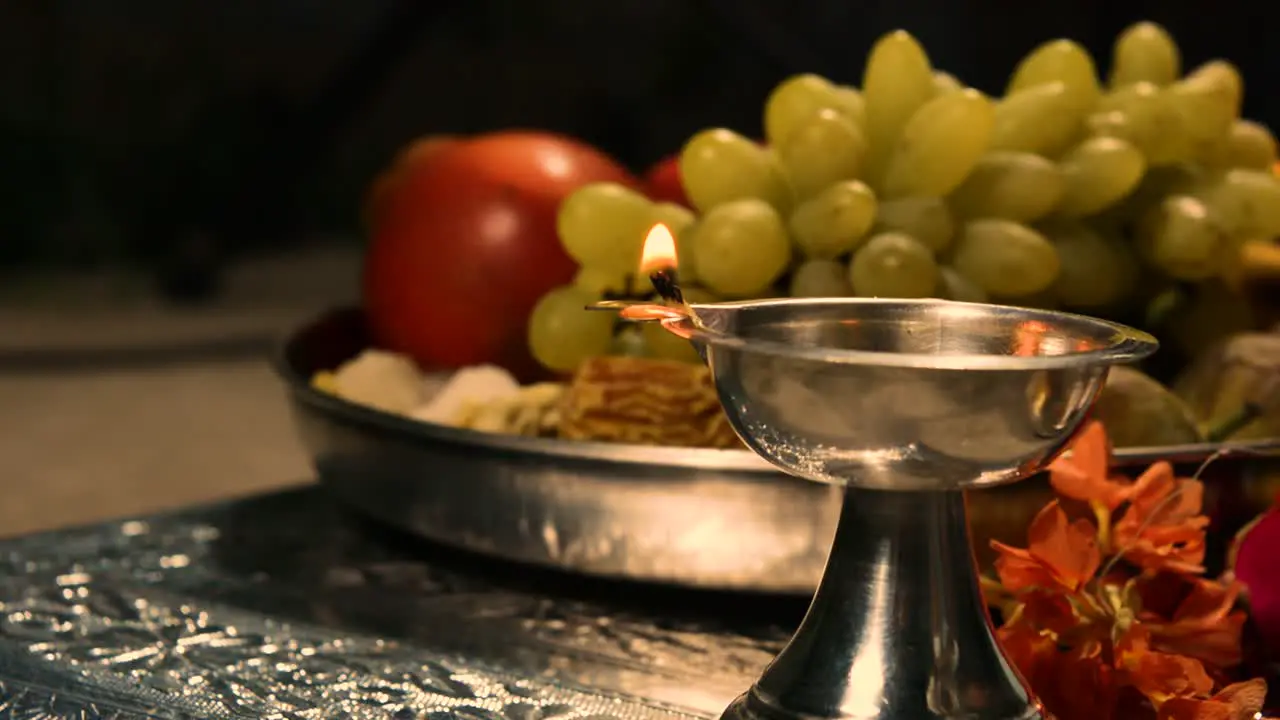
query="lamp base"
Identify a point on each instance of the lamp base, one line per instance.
(897, 629)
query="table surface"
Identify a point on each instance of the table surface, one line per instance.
(287, 605)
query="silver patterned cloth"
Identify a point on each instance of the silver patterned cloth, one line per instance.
(286, 607)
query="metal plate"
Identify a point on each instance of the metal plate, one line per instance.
(720, 519)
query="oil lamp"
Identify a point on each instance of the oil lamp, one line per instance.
(905, 404)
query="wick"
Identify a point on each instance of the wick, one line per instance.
(667, 283)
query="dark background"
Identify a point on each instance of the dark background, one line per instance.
(155, 133)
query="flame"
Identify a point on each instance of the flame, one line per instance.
(659, 250)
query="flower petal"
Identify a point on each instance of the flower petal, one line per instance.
(1049, 611)
(1083, 476)
(1068, 549)
(1160, 676)
(1241, 701)
(1218, 644)
(1091, 449)
(1018, 570)
(1151, 488)
(1253, 560)
(1187, 559)
(1208, 602)
(1193, 709)
(1082, 688)
(1246, 698)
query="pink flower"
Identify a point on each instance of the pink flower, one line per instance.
(1254, 560)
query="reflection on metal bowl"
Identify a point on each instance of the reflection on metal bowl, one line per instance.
(718, 519)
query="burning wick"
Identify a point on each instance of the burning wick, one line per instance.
(659, 261)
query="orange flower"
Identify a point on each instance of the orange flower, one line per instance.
(1047, 610)
(1162, 528)
(1033, 653)
(1085, 475)
(1094, 639)
(1158, 675)
(1205, 625)
(1241, 701)
(1161, 498)
(1060, 553)
(1072, 685)
(1084, 686)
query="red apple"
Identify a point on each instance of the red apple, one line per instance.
(464, 243)
(662, 182)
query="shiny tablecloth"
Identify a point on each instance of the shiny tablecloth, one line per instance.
(287, 606)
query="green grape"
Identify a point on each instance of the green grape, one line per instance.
(1135, 279)
(740, 248)
(1092, 270)
(927, 219)
(719, 166)
(1043, 300)
(954, 286)
(603, 225)
(698, 295)
(1135, 113)
(679, 220)
(1245, 202)
(1015, 186)
(1147, 117)
(825, 149)
(1109, 123)
(1224, 76)
(893, 265)
(1248, 145)
(1181, 238)
(850, 102)
(1059, 61)
(945, 83)
(820, 278)
(661, 343)
(1155, 186)
(1145, 52)
(1005, 258)
(1098, 173)
(1170, 141)
(1044, 119)
(897, 81)
(1207, 101)
(834, 221)
(562, 333)
(1162, 181)
(793, 102)
(940, 144)
(601, 282)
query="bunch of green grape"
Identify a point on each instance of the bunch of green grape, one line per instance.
(1065, 192)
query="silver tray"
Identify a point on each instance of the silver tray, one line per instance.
(716, 519)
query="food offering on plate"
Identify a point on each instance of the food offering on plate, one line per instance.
(1142, 196)
(610, 399)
